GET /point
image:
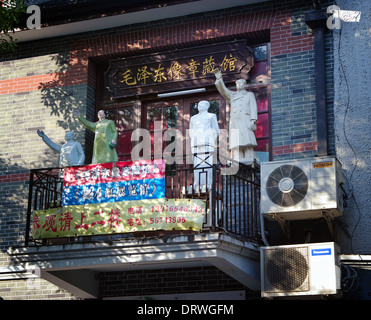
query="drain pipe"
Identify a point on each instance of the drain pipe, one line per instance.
(316, 20)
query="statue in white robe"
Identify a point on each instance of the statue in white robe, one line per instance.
(204, 131)
(243, 118)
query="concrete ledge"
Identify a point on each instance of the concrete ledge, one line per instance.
(73, 266)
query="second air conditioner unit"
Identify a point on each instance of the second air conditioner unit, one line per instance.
(302, 188)
(302, 269)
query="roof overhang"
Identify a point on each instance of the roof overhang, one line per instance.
(142, 15)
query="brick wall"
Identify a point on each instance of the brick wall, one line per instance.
(166, 281)
(293, 105)
(291, 70)
(44, 80)
(32, 289)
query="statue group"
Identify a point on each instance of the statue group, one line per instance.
(204, 131)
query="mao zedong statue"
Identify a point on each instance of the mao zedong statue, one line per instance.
(105, 137)
(243, 118)
(203, 131)
(71, 153)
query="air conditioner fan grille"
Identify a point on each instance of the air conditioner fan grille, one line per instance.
(286, 269)
(287, 185)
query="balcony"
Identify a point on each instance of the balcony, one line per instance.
(229, 238)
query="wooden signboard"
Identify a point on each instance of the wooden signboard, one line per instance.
(179, 69)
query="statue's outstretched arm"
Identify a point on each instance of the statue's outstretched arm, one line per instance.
(50, 143)
(219, 83)
(89, 125)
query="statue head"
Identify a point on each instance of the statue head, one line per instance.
(69, 136)
(203, 106)
(240, 84)
(101, 115)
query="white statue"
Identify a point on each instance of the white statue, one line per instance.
(243, 118)
(204, 131)
(71, 153)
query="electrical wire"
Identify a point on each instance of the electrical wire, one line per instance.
(347, 106)
(350, 280)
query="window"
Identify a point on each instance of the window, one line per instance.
(260, 85)
(166, 116)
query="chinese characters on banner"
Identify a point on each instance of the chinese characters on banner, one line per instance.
(111, 182)
(119, 217)
(116, 198)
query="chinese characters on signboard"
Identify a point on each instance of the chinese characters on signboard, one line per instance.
(177, 69)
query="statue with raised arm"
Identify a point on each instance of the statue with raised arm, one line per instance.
(203, 131)
(105, 137)
(243, 118)
(71, 153)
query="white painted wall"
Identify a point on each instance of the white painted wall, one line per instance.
(352, 80)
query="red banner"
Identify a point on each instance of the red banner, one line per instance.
(114, 172)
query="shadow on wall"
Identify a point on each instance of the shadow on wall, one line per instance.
(13, 200)
(65, 93)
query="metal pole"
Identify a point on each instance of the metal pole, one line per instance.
(28, 220)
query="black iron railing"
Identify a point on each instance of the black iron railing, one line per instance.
(231, 191)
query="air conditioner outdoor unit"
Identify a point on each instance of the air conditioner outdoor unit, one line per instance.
(297, 270)
(301, 189)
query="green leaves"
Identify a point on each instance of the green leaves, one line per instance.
(11, 12)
